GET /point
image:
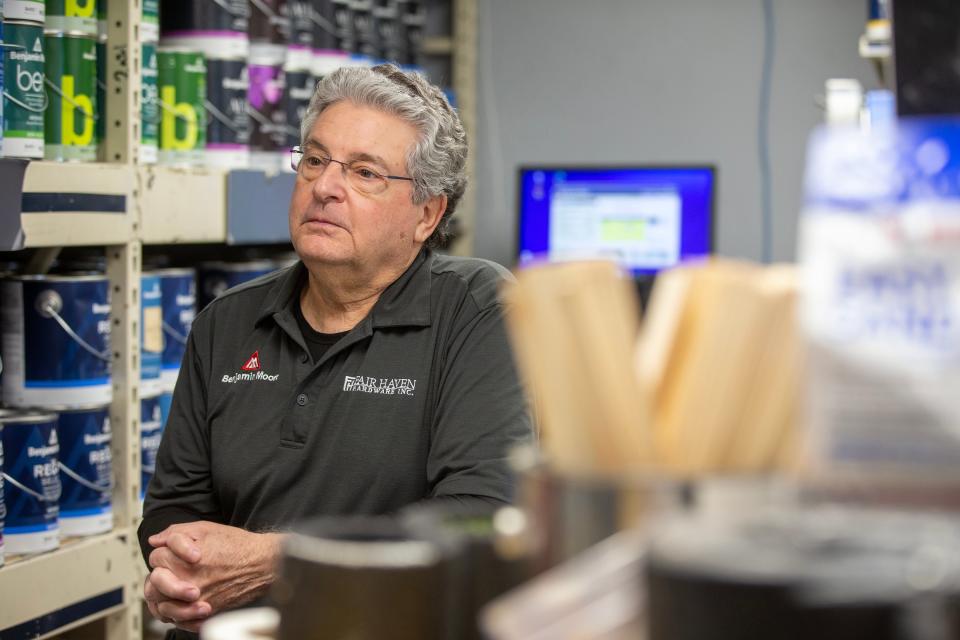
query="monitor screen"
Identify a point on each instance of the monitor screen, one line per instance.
(644, 218)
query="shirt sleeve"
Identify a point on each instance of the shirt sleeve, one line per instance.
(481, 413)
(181, 489)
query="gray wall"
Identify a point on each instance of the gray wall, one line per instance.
(656, 81)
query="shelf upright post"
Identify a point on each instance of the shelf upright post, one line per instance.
(123, 81)
(465, 87)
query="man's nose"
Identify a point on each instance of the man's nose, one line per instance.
(331, 183)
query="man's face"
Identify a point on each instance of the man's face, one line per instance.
(331, 223)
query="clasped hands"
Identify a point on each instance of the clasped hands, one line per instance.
(202, 568)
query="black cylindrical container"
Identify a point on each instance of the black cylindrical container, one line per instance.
(385, 25)
(343, 21)
(228, 119)
(324, 25)
(184, 17)
(362, 578)
(269, 22)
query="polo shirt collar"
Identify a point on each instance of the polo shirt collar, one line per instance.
(405, 303)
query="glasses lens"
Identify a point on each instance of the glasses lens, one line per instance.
(295, 157)
(366, 180)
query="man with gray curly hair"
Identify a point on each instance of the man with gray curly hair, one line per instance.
(371, 375)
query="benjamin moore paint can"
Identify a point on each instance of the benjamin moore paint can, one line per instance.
(149, 21)
(151, 431)
(32, 487)
(151, 333)
(269, 22)
(24, 98)
(71, 79)
(326, 58)
(179, 301)
(77, 16)
(268, 135)
(228, 119)
(100, 126)
(85, 470)
(300, 49)
(300, 88)
(149, 107)
(343, 23)
(27, 10)
(56, 340)
(216, 277)
(182, 81)
(227, 19)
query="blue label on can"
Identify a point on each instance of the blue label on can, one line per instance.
(151, 430)
(179, 293)
(66, 333)
(151, 327)
(32, 490)
(85, 462)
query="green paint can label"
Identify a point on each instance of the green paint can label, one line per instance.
(24, 99)
(149, 107)
(100, 128)
(27, 10)
(150, 21)
(70, 123)
(182, 83)
(79, 16)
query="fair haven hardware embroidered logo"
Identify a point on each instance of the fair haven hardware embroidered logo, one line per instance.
(382, 386)
(250, 372)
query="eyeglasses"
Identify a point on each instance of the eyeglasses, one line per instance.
(358, 173)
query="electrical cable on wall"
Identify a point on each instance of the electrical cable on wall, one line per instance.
(763, 130)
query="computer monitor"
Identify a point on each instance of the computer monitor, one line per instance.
(645, 218)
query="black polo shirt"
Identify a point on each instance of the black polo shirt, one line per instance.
(420, 400)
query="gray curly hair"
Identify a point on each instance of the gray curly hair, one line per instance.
(437, 163)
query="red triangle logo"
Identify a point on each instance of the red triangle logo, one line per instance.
(253, 364)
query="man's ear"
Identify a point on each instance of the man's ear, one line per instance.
(431, 212)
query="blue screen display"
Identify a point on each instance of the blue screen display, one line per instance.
(646, 219)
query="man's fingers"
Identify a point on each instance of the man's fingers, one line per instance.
(181, 612)
(169, 586)
(184, 547)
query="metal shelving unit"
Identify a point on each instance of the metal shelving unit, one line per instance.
(121, 206)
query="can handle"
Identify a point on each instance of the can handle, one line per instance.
(49, 303)
(30, 492)
(173, 333)
(226, 7)
(83, 481)
(219, 115)
(46, 102)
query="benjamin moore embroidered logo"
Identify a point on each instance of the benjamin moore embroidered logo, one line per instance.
(250, 372)
(383, 386)
(253, 363)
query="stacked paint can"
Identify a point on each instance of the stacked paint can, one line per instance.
(151, 333)
(299, 72)
(366, 50)
(326, 57)
(86, 470)
(71, 78)
(412, 20)
(152, 421)
(269, 35)
(3, 504)
(216, 277)
(386, 23)
(24, 98)
(56, 340)
(182, 86)
(219, 32)
(343, 28)
(32, 485)
(179, 303)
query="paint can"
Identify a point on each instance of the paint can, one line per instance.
(56, 340)
(71, 79)
(300, 49)
(178, 288)
(269, 22)
(216, 277)
(100, 124)
(28, 10)
(301, 85)
(149, 106)
(2, 99)
(228, 119)
(32, 481)
(75, 16)
(151, 333)
(149, 21)
(343, 24)
(182, 83)
(225, 21)
(151, 431)
(326, 57)
(102, 19)
(268, 128)
(24, 98)
(386, 29)
(412, 19)
(86, 470)
(365, 45)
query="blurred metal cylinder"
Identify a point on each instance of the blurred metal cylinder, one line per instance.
(362, 578)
